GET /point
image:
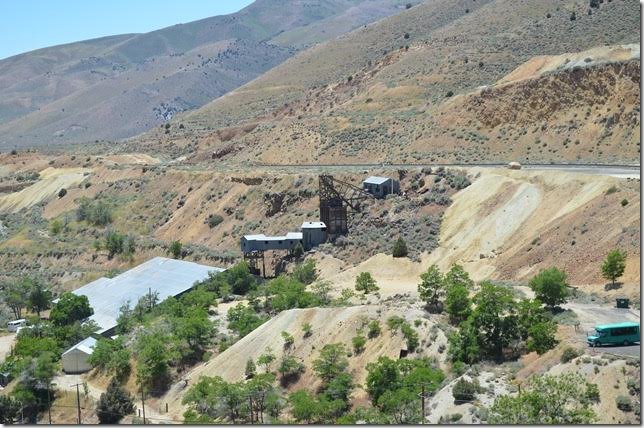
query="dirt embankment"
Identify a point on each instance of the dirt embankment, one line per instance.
(51, 181)
(510, 224)
(329, 325)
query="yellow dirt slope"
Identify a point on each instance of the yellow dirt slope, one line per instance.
(329, 325)
(52, 180)
(509, 224)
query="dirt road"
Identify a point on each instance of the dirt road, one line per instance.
(6, 342)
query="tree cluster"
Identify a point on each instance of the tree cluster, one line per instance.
(493, 323)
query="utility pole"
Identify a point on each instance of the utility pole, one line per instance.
(48, 403)
(250, 406)
(422, 404)
(143, 403)
(78, 402)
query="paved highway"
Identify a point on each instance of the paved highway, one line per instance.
(621, 171)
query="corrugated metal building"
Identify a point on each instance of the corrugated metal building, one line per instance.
(381, 186)
(168, 277)
(313, 234)
(261, 242)
(75, 358)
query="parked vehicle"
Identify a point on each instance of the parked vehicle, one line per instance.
(514, 165)
(623, 333)
(12, 326)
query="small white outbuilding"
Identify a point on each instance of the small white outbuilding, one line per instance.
(75, 358)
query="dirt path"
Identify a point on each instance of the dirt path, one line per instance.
(67, 382)
(6, 342)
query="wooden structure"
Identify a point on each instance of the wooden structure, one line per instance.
(336, 197)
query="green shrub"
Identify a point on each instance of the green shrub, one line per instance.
(464, 391)
(569, 354)
(306, 272)
(214, 220)
(373, 329)
(62, 192)
(55, 227)
(458, 368)
(395, 322)
(359, 342)
(592, 392)
(290, 370)
(307, 330)
(175, 249)
(611, 190)
(366, 283)
(96, 213)
(288, 339)
(298, 250)
(624, 403)
(624, 202)
(411, 336)
(400, 248)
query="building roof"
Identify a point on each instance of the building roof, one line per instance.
(262, 237)
(376, 180)
(168, 277)
(618, 325)
(86, 346)
(313, 225)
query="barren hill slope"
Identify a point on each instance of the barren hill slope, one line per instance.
(382, 93)
(510, 224)
(119, 86)
(329, 325)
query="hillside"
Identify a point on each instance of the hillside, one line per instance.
(341, 324)
(505, 225)
(408, 89)
(115, 87)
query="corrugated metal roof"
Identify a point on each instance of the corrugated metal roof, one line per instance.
(168, 277)
(313, 225)
(262, 237)
(86, 346)
(376, 180)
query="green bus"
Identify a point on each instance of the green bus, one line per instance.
(623, 333)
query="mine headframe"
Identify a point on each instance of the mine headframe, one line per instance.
(336, 197)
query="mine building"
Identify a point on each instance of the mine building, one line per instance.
(261, 242)
(381, 186)
(313, 234)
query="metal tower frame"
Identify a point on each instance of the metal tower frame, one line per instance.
(336, 197)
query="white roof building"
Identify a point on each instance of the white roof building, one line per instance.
(376, 180)
(75, 358)
(167, 277)
(313, 225)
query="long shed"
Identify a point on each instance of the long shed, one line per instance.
(167, 277)
(261, 242)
